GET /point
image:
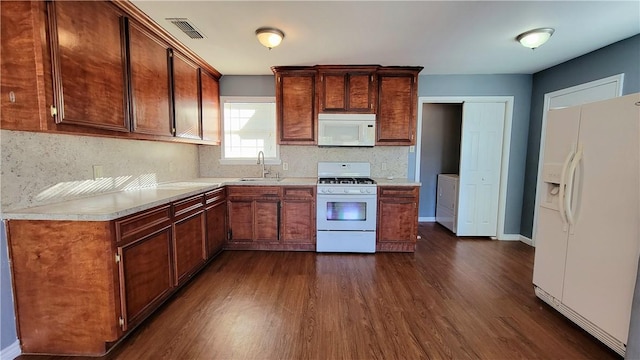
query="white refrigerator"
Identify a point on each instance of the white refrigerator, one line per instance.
(588, 227)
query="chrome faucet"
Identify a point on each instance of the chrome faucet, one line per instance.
(264, 172)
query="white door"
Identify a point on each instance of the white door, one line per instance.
(604, 243)
(551, 232)
(480, 160)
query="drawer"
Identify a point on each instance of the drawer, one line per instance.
(253, 191)
(188, 206)
(297, 192)
(216, 196)
(143, 223)
(398, 191)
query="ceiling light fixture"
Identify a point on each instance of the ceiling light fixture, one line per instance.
(534, 38)
(269, 37)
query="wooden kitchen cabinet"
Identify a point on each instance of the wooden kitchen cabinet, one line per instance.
(88, 52)
(80, 286)
(189, 245)
(296, 113)
(397, 218)
(185, 97)
(397, 102)
(348, 89)
(216, 218)
(271, 217)
(210, 104)
(299, 215)
(144, 263)
(254, 216)
(150, 82)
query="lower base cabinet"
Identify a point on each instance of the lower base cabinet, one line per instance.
(80, 286)
(397, 218)
(271, 218)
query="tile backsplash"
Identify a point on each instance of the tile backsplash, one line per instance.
(39, 168)
(302, 160)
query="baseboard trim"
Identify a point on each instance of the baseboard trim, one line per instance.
(426, 219)
(509, 237)
(526, 240)
(11, 352)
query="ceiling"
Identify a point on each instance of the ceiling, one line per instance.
(445, 37)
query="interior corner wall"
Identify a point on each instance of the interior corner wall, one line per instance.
(620, 57)
(518, 86)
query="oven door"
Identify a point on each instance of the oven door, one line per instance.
(346, 212)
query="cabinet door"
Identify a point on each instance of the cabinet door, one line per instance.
(347, 91)
(88, 53)
(216, 216)
(185, 98)
(267, 220)
(298, 221)
(210, 91)
(240, 214)
(397, 100)
(189, 246)
(397, 220)
(295, 104)
(145, 275)
(150, 85)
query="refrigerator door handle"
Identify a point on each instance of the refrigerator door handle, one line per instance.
(561, 192)
(567, 199)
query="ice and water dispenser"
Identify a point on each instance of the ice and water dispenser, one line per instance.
(551, 174)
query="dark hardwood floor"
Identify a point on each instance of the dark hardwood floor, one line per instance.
(452, 299)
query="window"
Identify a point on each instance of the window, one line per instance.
(249, 126)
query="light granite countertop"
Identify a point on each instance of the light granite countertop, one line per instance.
(110, 206)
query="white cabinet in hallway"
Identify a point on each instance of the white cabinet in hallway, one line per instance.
(447, 201)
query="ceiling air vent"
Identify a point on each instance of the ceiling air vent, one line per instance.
(187, 27)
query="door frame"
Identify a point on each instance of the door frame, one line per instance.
(548, 98)
(506, 146)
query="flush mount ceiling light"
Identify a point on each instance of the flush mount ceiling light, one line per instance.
(269, 37)
(534, 38)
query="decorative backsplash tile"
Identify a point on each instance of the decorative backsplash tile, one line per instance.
(303, 161)
(39, 168)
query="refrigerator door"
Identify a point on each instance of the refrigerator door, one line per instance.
(550, 237)
(603, 246)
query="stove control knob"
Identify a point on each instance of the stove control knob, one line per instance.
(369, 191)
(329, 191)
(363, 191)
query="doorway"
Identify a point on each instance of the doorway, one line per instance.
(454, 137)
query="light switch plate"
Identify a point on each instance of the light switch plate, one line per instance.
(285, 166)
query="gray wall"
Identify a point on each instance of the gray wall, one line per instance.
(248, 85)
(620, 57)
(440, 152)
(7, 321)
(518, 86)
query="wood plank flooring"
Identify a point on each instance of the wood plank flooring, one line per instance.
(452, 299)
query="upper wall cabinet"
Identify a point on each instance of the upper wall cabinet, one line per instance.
(150, 82)
(397, 103)
(88, 53)
(296, 105)
(210, 101)
(102, 68)
(347, 89)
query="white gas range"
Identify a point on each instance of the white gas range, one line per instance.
(346, 210)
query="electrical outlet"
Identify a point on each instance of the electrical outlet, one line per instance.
(285, 166)
(412, 149)
(384, 166)
(98, 172)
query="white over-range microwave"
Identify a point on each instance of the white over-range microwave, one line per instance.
(346, 129)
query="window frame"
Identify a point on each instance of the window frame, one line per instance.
(246, 161)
